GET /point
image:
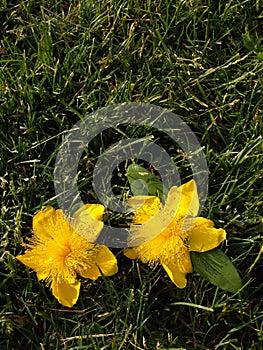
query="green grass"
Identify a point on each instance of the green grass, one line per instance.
(61, 60)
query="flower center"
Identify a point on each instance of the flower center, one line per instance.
(65, 250)
(171, 230)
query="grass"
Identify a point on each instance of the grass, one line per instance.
(61, 60)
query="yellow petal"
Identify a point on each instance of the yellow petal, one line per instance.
(131, 253)
(87, 221)
(105, 263)
(145, 207)
(203, 236)
(96, 210)
(182, 201)
(42, 275)
(177, 277)
(43, 223)
(27, 260)
(34, 261)
(67, 294)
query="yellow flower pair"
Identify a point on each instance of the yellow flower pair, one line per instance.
(58, 253)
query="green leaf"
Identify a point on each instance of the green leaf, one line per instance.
(216, 267)
(143, 182)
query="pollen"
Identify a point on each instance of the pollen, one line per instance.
(65, 251)
(171, 230)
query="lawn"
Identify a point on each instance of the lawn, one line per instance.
(203, 61)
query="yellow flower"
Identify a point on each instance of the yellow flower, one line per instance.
(57, 252)
(175, 231)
